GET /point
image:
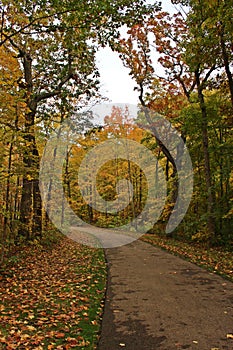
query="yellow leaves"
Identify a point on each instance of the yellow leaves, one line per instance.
(229, 336)
(2, 340)
(25, 336)
(30, 177)
(9, 67)
(31, 328)
(11, 98)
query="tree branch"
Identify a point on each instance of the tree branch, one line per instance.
(153, 128)
(55, 92)
(33, 21)
(208, 74)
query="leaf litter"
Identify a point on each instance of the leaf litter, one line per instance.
(215, 259)
(53, 298)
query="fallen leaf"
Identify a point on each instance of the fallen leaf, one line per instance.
(60, 335)
(25, 336)
(229, 336)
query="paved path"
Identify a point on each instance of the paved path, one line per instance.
(158, 301)
(102, 237)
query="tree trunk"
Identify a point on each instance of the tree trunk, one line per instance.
(7, 200)
(31, 204)
(16, 199)
(167, 154)
(37, 210)
(205, 145)
(226, 61)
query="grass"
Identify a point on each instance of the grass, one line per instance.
(52, 297)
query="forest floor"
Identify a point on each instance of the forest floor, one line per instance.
(51, 297)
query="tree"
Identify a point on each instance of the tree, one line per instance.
(55, 46)
(12, 107)
(210, 25)
(125, 202)
(135, 53)
(191, 62)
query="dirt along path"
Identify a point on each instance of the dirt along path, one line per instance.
(155, 300)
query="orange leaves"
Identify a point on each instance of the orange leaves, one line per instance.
(59, 335)
(43, 300)
(135, 53)
(162, 15)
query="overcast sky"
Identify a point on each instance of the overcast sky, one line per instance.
(116, 84)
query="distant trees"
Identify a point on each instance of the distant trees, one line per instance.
(118, 126)
(52, 46)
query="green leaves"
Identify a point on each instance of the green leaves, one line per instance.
(53, 46)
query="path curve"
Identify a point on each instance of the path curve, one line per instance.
(155, 300)
(102, 237)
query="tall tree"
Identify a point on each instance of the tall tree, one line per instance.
(188, 63)
(55, 45)
(136, 55)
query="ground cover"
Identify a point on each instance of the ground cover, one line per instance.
(51, 297)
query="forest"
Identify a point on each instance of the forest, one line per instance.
(53, 288)
(48, 73)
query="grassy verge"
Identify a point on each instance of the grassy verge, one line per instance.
(216, 260)
(52, 297)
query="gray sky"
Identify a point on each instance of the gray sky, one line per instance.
(116, 83)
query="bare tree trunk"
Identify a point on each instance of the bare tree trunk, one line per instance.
(37, 210)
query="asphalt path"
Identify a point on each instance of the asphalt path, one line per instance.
(155, 300)
(102, 237)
